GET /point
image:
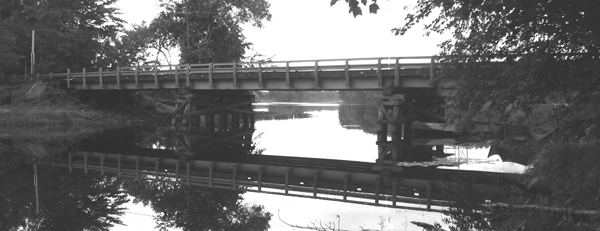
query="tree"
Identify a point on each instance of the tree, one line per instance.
(196, 208)
(129, 49)
(68, 201)
(210, 31)
(355, 8)
(8, 57)
(515, 53)
(69, 33)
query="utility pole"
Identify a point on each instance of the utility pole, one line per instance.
(35, 183)
(32, 51)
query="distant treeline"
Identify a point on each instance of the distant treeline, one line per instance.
(360, 97)
(298, 96)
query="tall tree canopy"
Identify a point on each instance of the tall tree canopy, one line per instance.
(68, 34)
(548, 49)
(209, 30)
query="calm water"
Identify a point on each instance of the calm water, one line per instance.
(325, 131)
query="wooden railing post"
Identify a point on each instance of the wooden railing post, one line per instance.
(287, 74)
(68, 78)
(379, 77)
(316, 74)
(394, 191)
(347, 73)
(155, 76)
(210, 75)
(234, 180)
(84, 80)
(70, 162)
(210, 175)
(429, 196)
(51, 75)
(287, 181)
(397, 73)
(37, 77)
(119, 171)
(234, 73)
(188, 171)
(177, 76)
(377, 186)
(431, 70)
(102, 165)
(177, 171)
(118, 77)
(315, 179)
(100, 78)
(260, 77)
(187, 75)
(85, 162)
(136, 75)
(346, 187)
(260, 170)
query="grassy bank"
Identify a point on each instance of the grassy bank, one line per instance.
(37, 106)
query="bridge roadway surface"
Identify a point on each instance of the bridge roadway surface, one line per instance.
(326, 74)
(335, 180)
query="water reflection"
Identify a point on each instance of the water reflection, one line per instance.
(287, 111)
(196, 181)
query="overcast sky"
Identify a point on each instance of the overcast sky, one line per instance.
(311, 29)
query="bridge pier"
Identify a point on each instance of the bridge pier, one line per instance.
(415, 125)
(213, 122)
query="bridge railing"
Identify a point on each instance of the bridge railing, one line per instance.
(426, 64)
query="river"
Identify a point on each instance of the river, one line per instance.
(323, 131)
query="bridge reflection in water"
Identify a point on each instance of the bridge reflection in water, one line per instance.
(228, 167)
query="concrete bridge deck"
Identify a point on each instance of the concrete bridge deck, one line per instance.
(326, 74)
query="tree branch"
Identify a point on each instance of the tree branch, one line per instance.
(567, 211)
(311, 228)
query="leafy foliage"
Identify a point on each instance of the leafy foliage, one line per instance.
(209, 31)
(516, 54)
(68, 34)
(67, 202)
(355, 9)
(198, 208)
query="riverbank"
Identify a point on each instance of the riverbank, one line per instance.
(35, 107)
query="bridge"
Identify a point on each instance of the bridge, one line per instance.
(333, 180)
(214, 99)
(320, 75)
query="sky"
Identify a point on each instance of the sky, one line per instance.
(310, 30)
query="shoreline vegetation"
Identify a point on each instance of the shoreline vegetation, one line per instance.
(36, 107)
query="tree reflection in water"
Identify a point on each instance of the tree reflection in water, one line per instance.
(197, 208)
(68, 201)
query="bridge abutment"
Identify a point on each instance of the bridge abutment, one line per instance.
(111, 98)
(411, 127)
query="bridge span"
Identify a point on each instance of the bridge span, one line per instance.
(334, 180)
(323, 74)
